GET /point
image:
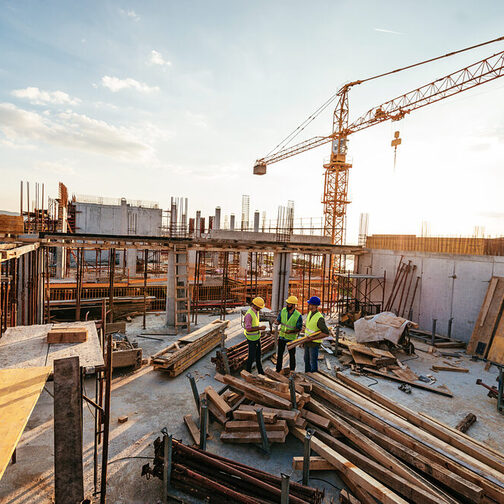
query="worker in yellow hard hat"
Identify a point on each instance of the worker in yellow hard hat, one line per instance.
(291, 322)
(253, 334)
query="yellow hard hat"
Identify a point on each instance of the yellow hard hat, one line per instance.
(292, 300)
(259, 302)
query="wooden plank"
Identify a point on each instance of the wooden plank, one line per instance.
(251, 426)
(217, 400)
(192, 428)
(472, 447)
(315, 419)
(290, 415)
(19, 392)
(432, 469)
(257, 394)
(67, 335)
(252, 437)
(358, 476)
(68, 465)
(269, 418)
(417, 439)
(435, 367)
(481, 337)
(271, 373)
(316, 464)
(266, 383)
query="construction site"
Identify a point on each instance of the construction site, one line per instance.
(126, 373)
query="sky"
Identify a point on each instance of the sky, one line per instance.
(153, 99)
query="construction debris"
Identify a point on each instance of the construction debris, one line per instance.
(466, 422)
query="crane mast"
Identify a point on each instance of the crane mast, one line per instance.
(336, 171)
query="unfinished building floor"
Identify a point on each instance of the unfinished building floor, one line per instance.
(151, 400)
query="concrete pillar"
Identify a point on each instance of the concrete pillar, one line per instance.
(131, 261)
(232, 222)
(243, 263)
(170, 290)
(282, 262)
(124, 217)
(217, 218)
(61, 265)
(256, 222)
(197, 224)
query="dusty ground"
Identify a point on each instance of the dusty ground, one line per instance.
(153, 401)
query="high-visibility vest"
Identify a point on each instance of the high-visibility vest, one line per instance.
(253, 335)
(311, 324)
(288, 323)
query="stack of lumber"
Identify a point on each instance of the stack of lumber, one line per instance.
(178, 356)
(202, 474)
(387, 453)
(487, 339)
(237, 354)
(11, 224)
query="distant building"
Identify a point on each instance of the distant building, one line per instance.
(108, 216)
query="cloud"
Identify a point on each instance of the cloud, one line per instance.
(70, 130)
(198, 120)
(115, 84)
(130, 13)
(58, 168)
(38, 97)
(383, 30)
(156, 58)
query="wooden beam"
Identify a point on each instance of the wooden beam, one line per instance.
(217, 400)
(68, 466)
(358, 476)
(192, 428)
(251, 426)
(316, 464)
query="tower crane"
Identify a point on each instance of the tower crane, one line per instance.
(336, 171)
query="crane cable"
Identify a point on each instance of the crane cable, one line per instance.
(288, 139)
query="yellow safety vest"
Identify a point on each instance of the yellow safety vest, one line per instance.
(288, 323)
(311, 324)
(253, 335)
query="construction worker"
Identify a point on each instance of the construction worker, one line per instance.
(253, 334)
(291, 322)
(314, 322)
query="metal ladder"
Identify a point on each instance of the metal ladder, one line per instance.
(182, 297)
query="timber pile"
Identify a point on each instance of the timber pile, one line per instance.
(178, 356)
(237, 354)
(387, 453)
(202, 474)
(487, 339)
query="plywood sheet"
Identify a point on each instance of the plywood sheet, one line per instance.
(489, 315)
(496, 353)
(20, 389)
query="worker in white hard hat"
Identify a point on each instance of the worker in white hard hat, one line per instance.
(253, 334)
(291, 322)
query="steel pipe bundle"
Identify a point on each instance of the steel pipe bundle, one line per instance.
(237, 354)
(203, 474)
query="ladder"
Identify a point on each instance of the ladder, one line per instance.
(182, 297)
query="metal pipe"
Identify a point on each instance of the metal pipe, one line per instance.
(194, 388)
(284, 499)
(166, 443)
(306, 456)
(433, 338)
(292, 388)
(450, 323)
(203, 423)
(264, 434)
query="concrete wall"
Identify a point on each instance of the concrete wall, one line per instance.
(117, 219)
(449, 286)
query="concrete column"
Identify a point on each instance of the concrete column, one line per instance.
(131, 261)
(197, 224)
(170, 290)
(124, 217)
(61, 251)
(282, 262)
(217, 218)
(243, 262)
(256, 222)
(232, 222)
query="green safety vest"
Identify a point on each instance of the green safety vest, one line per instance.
(288, 323)
(253, 335)
(311, 324)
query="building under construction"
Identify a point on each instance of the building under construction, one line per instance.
(124, 369)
